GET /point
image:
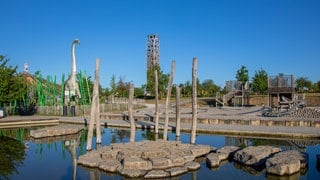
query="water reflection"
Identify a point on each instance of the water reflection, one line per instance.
(74, 145)
(12, 154)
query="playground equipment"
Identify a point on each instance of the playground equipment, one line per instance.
(237, 93)
(283, 99)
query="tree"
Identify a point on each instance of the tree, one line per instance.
(260, 82)
(316, 86)
(303, 83)
(162, 83)
(242, 74)
(208, 88)
(122, 87)
(12, 86)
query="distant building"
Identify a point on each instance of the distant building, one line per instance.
(153, 51)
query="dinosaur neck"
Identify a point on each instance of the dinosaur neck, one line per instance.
(73, 61)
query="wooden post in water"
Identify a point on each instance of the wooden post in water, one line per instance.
(130, 111)
(95, 110)
(156, 102)
(177, 112)
(194, 101)
(166, 121)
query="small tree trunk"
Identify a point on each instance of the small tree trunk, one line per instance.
(130, 111)
(194, 101)
(94, 114)
(156, 102)
(177, 111)
(166, 122)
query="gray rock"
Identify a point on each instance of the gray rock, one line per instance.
(188, 158)
(226, 151)
(287, 162)
(175, 171)
(58, 130)
(157, 174)
(192, 166)
(136, 163)
(153, 152)
(91, 159)
(176, 160)
(200, 150)
(110, 165)
(214, 159)
(132, 173)
(109, 154)
(127, 153)
(255, 155)
(160, 162)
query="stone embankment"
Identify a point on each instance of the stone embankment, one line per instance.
(163, 159)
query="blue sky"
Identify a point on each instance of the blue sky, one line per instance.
(280, 36)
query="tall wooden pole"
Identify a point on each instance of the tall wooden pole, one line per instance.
(194, 101)
(166, 122)
(130, 111)
(156, 102)
(95, 112)
(177, 111)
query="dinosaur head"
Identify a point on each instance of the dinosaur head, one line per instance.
(76, 41)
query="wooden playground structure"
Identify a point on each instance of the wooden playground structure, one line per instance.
(237, 94)
(283, 98)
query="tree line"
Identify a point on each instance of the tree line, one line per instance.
(13, 88)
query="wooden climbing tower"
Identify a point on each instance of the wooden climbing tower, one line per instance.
(281, 89)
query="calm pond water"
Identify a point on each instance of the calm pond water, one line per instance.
(24, 158)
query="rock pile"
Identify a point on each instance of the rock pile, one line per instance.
(148, 159)
(304, 113)
(255, 157)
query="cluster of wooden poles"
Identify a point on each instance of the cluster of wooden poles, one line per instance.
(95, 114)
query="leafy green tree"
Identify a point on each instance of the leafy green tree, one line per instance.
(303, 83)
(12, 86)
(242, 74)
(186, 89)
(260, 82)
(122, 88)
(163, 80)
(208, 88)
(139, 92)
(316, 86)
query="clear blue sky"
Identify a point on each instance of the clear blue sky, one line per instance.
(280, 36)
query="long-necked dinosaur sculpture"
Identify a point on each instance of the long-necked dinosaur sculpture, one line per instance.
(71, 89)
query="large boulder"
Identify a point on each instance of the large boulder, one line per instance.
(136, 163)
(175, 171)
(160, 162)
(287, 162)
(58, 130)
(132, 173)
(255, 155)
(91, 159)
(213, 159)
(110, 165)
(157, 174)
